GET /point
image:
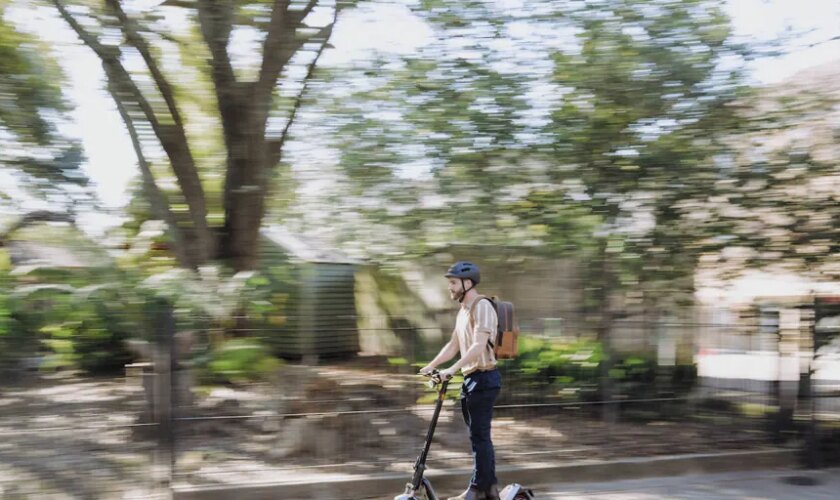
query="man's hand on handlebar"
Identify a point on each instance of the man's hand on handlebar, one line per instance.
(436, 375)
(427, 370)
(447, 374)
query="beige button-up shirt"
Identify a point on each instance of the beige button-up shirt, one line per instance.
(484, 320)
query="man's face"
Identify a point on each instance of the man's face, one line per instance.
(455, 288)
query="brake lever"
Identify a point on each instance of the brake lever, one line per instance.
(434, 378)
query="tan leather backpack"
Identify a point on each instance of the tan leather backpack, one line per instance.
(505, 344)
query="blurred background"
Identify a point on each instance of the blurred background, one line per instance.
(224, 224)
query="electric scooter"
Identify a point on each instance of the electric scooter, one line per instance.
(420, 488)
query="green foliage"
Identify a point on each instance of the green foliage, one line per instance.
(453, 390)
(597, 146)
(217, 305)
(780, 181)
(84, 328)
(272, 306)
(547, 364)
(103, 328)
(634, 369)
(10, 335)
(642, 127)
(31, 106)
(397, 361)
(574, 369)
(31, 82)
(78, 325)
(239, 361)
(210, 297)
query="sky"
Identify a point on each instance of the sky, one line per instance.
(818, 20)
(111, 163)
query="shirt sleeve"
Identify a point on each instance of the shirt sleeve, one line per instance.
(485, 317)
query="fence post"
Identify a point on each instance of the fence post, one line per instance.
(164, 364)
(812, 455)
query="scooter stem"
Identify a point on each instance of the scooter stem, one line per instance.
(420, 465)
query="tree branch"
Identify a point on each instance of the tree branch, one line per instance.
(172, 138)
(279, 47)
(281, 44)
(133, 36)
(277, 146)
(157, 199)
(185, 4)
(215, 18)
(114, 69)
(300, 16)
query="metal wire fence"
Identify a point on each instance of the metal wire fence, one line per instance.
(164, 423)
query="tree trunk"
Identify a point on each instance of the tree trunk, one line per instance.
(606, 282)
(246, 183)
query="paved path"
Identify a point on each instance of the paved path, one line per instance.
(771, 484)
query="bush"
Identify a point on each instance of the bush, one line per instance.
(548, 360)
(84, 328)
(238, 361)
(544, 366)
(99, 341)
(573, 368)
(12, 343)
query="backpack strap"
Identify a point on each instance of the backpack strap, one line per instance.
(472, 318)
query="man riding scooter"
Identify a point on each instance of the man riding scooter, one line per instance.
(474, 325)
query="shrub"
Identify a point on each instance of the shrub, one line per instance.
(570, 368)
(238, 361)
(84, 328)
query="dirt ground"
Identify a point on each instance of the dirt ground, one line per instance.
(75, 437)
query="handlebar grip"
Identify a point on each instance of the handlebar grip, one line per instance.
(435, 378)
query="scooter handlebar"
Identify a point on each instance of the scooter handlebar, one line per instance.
(435, 378)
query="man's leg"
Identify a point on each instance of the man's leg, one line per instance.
(465, 411)
(472, 492)
(478, 412)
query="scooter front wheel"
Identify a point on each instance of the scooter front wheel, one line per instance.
(420, 494)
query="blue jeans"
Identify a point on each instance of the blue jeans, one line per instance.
(478, 393)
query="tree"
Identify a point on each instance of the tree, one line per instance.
(248, 107)
(43, 162)
(777, 204)
(612, 128)
(438, 145)
(587, 128)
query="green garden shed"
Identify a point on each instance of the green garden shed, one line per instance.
(312, 299)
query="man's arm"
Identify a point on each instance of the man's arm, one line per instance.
(475, 350)
(485, 323)
(446, 353)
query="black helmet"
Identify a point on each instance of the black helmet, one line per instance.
(464, 270)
